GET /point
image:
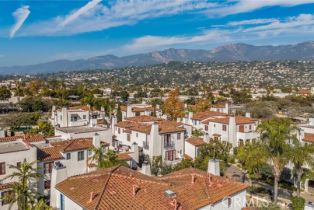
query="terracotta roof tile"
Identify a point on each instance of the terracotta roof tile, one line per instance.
(54, 150)
(123, 188)
(309, 137)
(165, 126)
(26, 138)
(204, 115)
(196, 141)
(225, 120)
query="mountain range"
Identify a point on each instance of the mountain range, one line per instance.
(226, 53)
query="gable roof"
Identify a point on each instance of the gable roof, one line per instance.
(123, 188)
(196, 141)
(55, 149)
(204, 115)
(165, 126)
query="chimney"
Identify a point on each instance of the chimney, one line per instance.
(227, 108)
(135, 152)
(190, 115)
(91, 197)
(53, 109)
(96, 140)
(64, 114)
(129, 111)
(146, 169)
(135, 189)
(232, 131)
(311, 121)
(193, 178)
(247, 114)
(213, 167)
(102, 109)
(58, 174)
(154, 141)
(113, 124)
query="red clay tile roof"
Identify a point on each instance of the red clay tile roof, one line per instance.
(125, 156)
(225, 120)
(196, 141)
(10, 138)
(309, 137)
(144, 118)
(304, 92)
(53, 151)
(165, 126)
(27, 138)
(6, 185)
(123, 188)
(204, 115)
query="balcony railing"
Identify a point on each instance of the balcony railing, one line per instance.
(169, 145)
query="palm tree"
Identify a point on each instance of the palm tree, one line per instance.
(22, 193)
(275, 134)
(300, 155)
(111, 159)
(98, 156)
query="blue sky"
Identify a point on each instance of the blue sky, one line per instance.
(38, 31)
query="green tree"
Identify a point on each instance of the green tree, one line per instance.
(247, 157)
(212, 150)
(22, 193)
(297, 203)
(275, 136)
(119, 114)
(5, 93)
(111, 159)
(301, 155)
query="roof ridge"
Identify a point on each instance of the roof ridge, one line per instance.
(105, 186)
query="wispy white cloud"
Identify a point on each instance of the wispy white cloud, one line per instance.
(83, 10)
(298, 26)
(156, 42)
(20, 16)
(252, 22)
(96, 16)
(241, 6)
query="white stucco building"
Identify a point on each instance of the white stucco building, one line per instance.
(13, 151)
(155, 136)
(77, 116)
(122, 188)
(133, 110)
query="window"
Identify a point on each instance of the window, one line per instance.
(84, 117)
(89, 152)
(68, 156)
(18, 164)
(128, 137)
(241, 128)
(73, 118)
(250, 127)
(47, 184)
(206, 127)
(178, 136)
(2, 168)
(48, 167)
(62, 202)
(119, 131)
(170, 155)
(6, 196)
(224, 127)
(136, 135)
(80, 155)
(229, 202)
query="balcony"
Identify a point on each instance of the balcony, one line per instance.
(169, 145)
